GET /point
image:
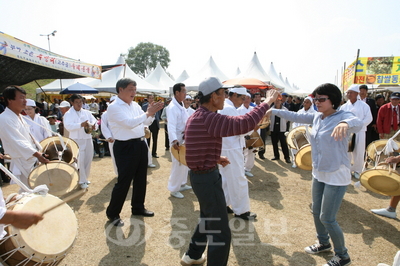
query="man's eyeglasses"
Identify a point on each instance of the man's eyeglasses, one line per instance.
(321, 100)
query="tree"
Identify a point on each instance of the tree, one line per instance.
(144, 57)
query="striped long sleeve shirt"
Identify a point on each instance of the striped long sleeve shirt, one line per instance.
(205, 130)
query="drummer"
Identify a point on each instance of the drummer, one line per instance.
(23, 149)
(331, 166)
(308, 108)
(390, 211)
(75, 121)
(18, 219)
(177, 117)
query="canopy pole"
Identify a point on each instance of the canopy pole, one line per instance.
(355, 70)
(45, 95)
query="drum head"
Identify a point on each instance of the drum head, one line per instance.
(377, 146)
(50, 238)
(70, 145)
(59, 177)
(296, 133)
(379, 180)
(254, 141)
(303, 158)
(180, 154)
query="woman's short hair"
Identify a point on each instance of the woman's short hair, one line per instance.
(332, 91)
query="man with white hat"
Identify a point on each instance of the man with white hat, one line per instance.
(106, 131)
(177, 117)
(64, 107)
(234, 181)
(363, 112)
(203, 139)
(249, 155)
(187, 103)
(77, 120)
(23, 149)
(39, 126)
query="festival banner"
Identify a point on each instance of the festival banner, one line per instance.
(20, 50)
(373, 70)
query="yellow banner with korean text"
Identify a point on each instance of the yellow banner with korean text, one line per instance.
(373, 70)
(20, 50)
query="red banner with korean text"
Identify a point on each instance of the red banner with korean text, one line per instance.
(15, 48)
(373, 70)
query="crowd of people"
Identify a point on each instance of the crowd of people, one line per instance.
(213, 127)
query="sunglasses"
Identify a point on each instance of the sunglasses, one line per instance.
(321, 100)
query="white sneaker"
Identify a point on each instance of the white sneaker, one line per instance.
(356, 175)
(187, 261)
(248, 173)
(151, 165)
(385, 213)
(177, 195)
(84, 185)
(185, 187)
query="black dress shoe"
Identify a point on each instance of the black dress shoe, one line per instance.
(246, 216)
(143, 212)
(262, 157)
(228, 209)
(155, 156)
(288, 161)
(116, 221)
(274, 159)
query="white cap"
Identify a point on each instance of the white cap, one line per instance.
(239, 90)
(30, 102)
(210, 85)
(113, 98)
(354, 87)
(65, 104)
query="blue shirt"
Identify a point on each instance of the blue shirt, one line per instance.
(327, 153)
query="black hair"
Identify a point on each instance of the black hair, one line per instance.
(332, 91)
(75, 96)
(10, 92)
(123, 83)
(177, 87)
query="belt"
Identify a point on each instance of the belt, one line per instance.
(131, 140)
(202, 172)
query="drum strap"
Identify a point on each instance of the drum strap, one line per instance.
(41, 189)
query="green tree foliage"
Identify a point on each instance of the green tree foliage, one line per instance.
(144, 57)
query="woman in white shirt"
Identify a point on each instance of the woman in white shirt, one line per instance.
(34, 120)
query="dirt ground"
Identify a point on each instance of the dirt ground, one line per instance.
(279, 194)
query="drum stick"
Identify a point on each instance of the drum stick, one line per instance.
(67, 199)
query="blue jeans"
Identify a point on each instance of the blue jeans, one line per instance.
(326, 203)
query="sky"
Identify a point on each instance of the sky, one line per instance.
(308, 41)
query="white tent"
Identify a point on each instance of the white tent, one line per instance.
(275, 80)
(237, 72)
(182, 77)
(255, 70)
(60, 84)
(288, 88)
(110, 78)
(159, 79)
(210, 69)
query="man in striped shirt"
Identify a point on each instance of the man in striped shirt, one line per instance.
(203, 136)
